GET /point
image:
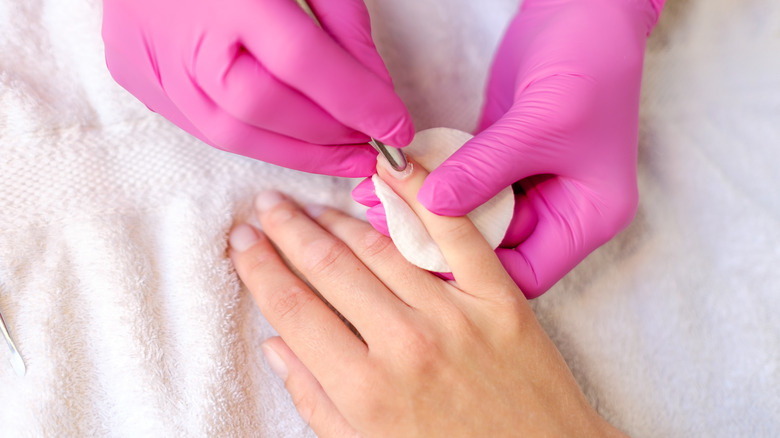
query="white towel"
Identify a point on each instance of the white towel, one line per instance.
(113, 228)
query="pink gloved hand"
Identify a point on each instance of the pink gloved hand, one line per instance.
(560, 123)
(260, 78)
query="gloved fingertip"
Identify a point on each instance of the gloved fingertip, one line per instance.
(350, 162)
(364, 193)
(440, 197)
(524, 220)
(401, 133)
(378, 219)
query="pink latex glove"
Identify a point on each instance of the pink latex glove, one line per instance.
(561, 123)
(260, 78)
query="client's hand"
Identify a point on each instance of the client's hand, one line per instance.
(435, 359)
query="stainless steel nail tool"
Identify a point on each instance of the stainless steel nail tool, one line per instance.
(394, 156)
(16, 359)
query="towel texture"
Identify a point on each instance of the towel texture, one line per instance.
(114, 279)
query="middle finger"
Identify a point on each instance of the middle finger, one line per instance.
(329, 265)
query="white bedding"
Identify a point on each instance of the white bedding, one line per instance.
(113, 225)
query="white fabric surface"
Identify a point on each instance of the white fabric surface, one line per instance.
(430, 148)
(113, 227)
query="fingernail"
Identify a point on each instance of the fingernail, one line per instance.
(314, 210)
(266, 200)
(402, 175)
(243, 237)
(275, 362)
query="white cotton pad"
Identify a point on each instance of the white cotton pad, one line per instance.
(430, 148)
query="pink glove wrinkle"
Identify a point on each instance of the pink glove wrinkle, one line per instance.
(260, 78)
(560, 123)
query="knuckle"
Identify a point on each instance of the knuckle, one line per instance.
(307, 403)
(323, 256)
(255, 261)
(376, 244)
(619, 214)
(454, 229)
(288, 302)
(418, 352)
(279, 214)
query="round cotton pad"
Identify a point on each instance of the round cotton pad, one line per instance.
(430, 148)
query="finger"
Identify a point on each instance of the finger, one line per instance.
(311, 329)
(530, 139)
(225, 132)
(412, 285)
(324, 261)
(348, 22)
(292, 47)
(524, 221)
(349, 161)
(310, 399)
(242, 87)
(569, 227)
(377, 217)
(473, 262)
(365, 194)
(123, 66)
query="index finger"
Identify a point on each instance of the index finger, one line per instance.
(474, 264)
(306, 323)
(301, 54)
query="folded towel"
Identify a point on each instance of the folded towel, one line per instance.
(113, 222)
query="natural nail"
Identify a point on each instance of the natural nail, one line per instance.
(275, 362)
(406, 173)
(243, 237)
(266, 200)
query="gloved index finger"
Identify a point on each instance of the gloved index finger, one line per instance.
(301, 54)
(348, 22)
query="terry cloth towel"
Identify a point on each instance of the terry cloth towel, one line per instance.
(113, 223)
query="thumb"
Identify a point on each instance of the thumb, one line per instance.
(311, 401)
(529, 139)
(488, 163)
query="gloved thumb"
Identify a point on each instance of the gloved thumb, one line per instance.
(485, 165)
(529, 139)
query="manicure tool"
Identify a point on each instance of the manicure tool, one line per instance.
(16, 359)
(394, 156)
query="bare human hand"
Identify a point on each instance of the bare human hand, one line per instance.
(436, 358)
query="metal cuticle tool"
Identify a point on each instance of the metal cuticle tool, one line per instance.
(394, 156)
(16, 359)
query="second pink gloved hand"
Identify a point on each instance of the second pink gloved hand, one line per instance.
(560, 123)
(260, 78)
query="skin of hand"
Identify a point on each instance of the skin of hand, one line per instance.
(560, 124)
(435, 358)
(261, 78)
